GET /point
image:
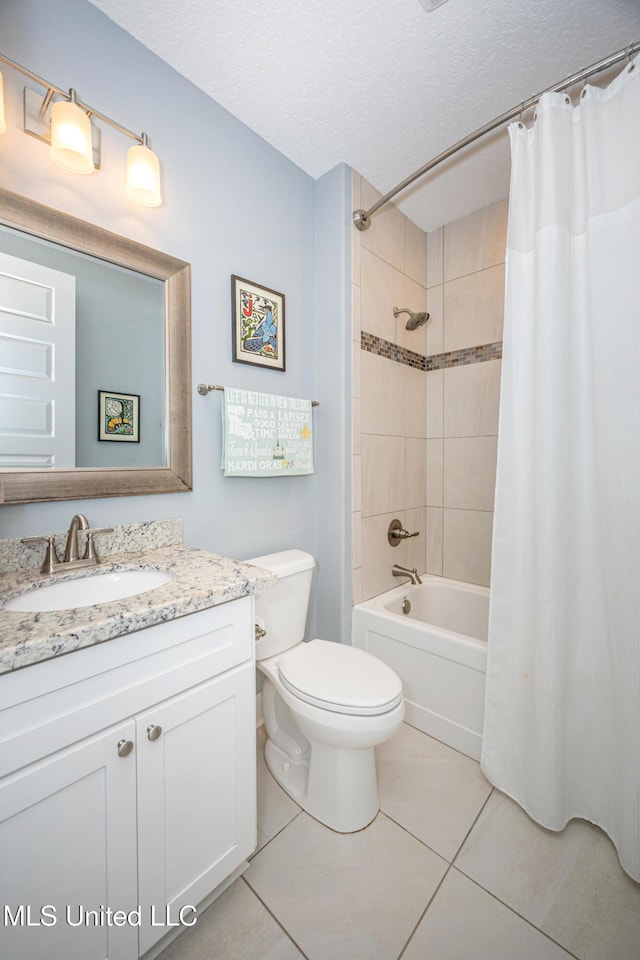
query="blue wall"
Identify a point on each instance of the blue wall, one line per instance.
(232, 204)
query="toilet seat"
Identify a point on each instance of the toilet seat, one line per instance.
(340, 678)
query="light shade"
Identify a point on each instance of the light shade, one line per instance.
(3, 125)
(143, 176)
(71, 144)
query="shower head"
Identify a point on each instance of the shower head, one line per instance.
(415, 319)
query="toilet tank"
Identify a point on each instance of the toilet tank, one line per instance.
(281, 609)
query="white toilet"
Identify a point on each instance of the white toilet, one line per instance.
(326, 705)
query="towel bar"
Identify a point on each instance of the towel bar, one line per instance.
(205, 388)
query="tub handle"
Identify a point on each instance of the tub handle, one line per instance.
(396, 533)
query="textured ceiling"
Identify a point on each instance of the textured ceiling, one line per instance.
(381, 84)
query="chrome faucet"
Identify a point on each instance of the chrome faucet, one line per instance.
(52, 564)
(399, 571)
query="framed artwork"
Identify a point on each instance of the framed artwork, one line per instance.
(257, 324)
(118, 416)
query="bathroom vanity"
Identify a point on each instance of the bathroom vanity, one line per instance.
(127, 767)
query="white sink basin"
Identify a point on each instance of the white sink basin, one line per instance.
(89, 591)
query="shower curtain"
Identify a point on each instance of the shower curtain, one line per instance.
(562, 724)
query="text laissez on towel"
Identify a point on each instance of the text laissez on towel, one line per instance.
(265, 435)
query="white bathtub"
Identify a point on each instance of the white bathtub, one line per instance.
(438, 649)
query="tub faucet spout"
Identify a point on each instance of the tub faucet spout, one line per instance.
(399, 571)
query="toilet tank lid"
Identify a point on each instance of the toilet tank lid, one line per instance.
(285, 563)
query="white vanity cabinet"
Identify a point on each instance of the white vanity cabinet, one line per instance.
(127, 783)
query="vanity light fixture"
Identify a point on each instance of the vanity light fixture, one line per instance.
(143, 174)
(66, 123)
(71, 141)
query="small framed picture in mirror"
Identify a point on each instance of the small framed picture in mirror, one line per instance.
(118, 416)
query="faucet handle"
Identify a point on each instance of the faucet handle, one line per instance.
(396, 533)
(90, 549)
(50, 557)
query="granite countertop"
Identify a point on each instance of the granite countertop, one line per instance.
(201, 580)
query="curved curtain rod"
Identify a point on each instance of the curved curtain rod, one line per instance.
(362, 218)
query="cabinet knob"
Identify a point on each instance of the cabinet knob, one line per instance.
(153, 731)
(124, 747)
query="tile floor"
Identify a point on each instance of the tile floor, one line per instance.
(450, 869)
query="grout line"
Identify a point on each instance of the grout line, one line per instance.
(477, 817)
(421, 917)
(519, 915)
(275, 919)
(265, 845)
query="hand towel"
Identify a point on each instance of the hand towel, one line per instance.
(264, 435)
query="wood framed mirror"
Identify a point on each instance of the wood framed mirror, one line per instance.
(112, 356)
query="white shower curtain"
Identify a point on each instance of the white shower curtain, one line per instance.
(562, 724)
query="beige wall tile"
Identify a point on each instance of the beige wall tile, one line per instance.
(378, 556)
(434, 460)
(414, 298)
(416, 555)
(355, 311)
(356, 425)
(475, 242)
(471, 399)
(383, 474)
(467, 546)
(434, 540)
(415, 257)
(356, 532)
(356, 249)
(386, 233)
(435, 326)
(470, 472)
(414, 423)
(435, 408)
(357, 586)
(356, 181)
(382, 289)
(474, 309)
(355, 233)
(435, 257)
(356, 492)
(382, 395)
(355, 362)
(415, 472)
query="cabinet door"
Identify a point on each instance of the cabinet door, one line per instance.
(196, 795)
(67, 846)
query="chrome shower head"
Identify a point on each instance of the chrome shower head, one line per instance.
(415, 319)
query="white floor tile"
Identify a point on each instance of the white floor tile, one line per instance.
(346, 896)
(433, 791)
(464, 922)
(568, 884)
(235, 927)
(275, 807)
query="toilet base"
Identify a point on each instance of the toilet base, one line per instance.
(335, 786)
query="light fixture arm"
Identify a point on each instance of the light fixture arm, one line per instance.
(71, 96)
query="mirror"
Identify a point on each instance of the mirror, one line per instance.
(95, 364)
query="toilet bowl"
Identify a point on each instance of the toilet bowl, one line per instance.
(326, 705)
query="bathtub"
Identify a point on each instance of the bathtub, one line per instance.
(438, 648)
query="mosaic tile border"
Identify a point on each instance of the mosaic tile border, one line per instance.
(392, 351)
(437, 361)
(460, 358)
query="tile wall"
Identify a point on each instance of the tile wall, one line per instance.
(389, 405)
(425, 402)
(465, 297)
